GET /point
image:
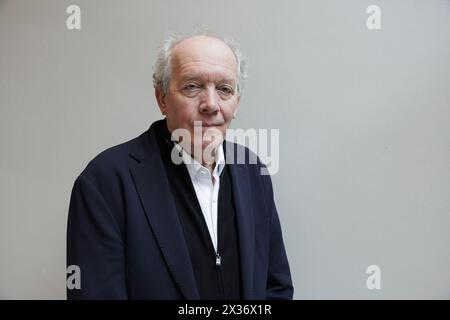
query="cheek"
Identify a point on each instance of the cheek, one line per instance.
(229, 112)
(181, 111)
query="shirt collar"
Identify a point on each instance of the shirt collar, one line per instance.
(193, 166)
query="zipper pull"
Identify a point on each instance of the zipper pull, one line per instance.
(218, 260)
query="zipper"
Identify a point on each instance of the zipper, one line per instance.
(217, 253)
(219, 274)
(218, 260)
(217, 256)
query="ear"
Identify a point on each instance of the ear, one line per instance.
(161, 99)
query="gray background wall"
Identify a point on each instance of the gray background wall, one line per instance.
(364, 119)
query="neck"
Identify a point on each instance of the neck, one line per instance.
(210, 167)
(207, 163)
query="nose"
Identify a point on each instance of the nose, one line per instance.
(209, 102)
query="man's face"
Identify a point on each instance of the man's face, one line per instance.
(202, 87)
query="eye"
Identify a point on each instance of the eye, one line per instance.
(191, 87)
(226, 90)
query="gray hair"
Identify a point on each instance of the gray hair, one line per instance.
(163, 71)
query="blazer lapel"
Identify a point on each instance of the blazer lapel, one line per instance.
(245, 225)
(156, 197)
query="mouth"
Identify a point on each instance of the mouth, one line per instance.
(210, 125)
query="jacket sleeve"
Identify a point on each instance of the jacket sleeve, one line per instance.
(94, 244)
(279, 282)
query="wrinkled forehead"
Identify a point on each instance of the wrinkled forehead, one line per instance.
(203, 52)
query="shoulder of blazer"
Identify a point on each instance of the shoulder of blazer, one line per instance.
(117, 160)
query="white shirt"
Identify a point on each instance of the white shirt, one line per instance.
(207, 192)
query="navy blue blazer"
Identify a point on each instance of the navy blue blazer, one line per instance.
(124, 233)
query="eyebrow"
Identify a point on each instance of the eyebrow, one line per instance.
(201, 77)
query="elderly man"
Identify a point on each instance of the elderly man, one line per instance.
(153, 218)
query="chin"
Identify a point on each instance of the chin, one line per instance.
(211, 143)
